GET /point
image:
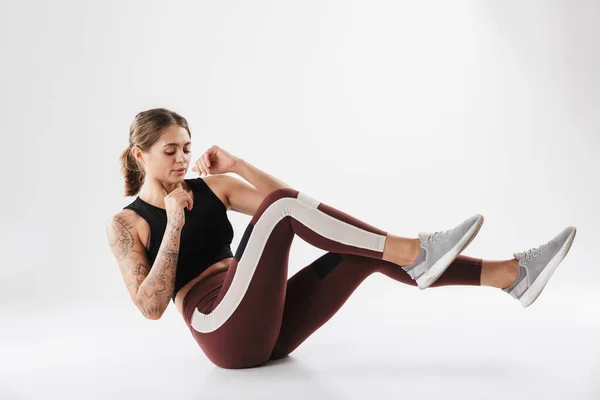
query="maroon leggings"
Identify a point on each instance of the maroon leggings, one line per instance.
(251, 313)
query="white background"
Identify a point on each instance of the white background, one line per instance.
(410, 116)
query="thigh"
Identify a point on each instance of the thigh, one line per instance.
(235, 316)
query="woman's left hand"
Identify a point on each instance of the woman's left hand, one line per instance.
(214, 161)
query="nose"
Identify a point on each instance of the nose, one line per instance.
(181, 157)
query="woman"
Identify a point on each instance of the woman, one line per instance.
(173, 242)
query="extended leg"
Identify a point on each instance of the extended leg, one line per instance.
(319, 290)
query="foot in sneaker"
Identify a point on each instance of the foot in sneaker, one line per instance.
(439, 249)
(537, 265)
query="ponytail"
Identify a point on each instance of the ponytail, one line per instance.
(134, 175)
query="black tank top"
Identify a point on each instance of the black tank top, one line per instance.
(205, 237)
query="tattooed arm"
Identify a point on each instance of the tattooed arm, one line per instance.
(150, 288)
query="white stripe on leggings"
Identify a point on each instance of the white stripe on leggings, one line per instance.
(304, 209)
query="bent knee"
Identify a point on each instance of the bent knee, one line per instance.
(272, 197)
(280, 193)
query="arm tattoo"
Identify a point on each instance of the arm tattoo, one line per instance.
(120, 237)
(156, 290)
(151, 286)
(140, 271)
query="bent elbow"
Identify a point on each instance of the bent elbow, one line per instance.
(149, 312)
(152, 315)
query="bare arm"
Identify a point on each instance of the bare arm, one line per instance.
(241, 196)
(156, 290)
(150, 288)
(261, 180)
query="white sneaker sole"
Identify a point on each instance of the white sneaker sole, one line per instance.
(532, 293)
(425, 280)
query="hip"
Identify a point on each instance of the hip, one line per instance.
(206, 278)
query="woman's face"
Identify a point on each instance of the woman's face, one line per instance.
(170, 153)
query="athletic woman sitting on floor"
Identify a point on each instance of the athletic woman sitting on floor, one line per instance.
(173, 242)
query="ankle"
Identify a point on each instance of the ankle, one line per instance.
(499, 274)
(511, 270)
(401, 251)
(412, 252)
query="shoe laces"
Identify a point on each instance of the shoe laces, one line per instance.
(530, 253)
(432, 237)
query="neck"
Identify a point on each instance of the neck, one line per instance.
(153, 191)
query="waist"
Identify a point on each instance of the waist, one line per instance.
(203, 292)
(188, 267)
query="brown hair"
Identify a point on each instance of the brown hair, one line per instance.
(145, 130)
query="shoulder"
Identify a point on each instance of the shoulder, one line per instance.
(220, 185)
(126, 222)
(241, 196)
(226, 184)
(210, 180)
(128, 225)
(125, 219)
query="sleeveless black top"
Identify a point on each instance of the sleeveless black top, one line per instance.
(205, 237)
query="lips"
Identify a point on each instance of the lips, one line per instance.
(179, 170)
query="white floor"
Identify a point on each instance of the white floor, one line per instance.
(385, 343)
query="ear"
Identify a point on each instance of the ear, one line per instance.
(137, 155)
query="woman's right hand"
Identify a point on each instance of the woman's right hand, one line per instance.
(175, 202)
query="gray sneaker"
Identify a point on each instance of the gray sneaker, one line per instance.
(439, 249)
(536, 266)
